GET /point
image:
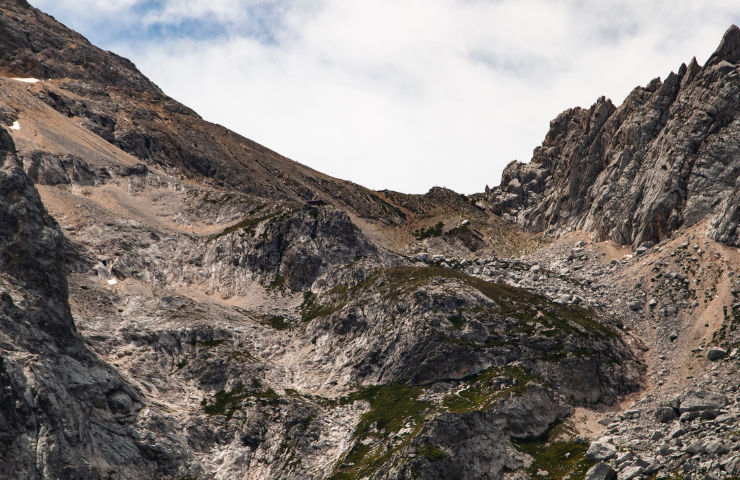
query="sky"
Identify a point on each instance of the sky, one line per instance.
(399, 94)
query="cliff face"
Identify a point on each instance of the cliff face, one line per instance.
(666, 158)
(65, 412)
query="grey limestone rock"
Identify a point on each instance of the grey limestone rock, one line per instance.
(631, 472)
(700, 400)
(732, 466)
(601, 471)
(219, 311)
(48, 169)
(601, 450)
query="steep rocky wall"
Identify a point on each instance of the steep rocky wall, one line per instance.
(63, 412)
(669, 156)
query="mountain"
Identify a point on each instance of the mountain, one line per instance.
(109, 97)
(666, 158)
(179, 302)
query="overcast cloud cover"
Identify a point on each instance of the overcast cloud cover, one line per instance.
(400, 94)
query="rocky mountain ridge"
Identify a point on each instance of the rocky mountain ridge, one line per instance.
(108, 96)
(181, 303)
(666, 158)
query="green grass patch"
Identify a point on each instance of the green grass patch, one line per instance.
(457, 321)
(277, 322)
(208, 343)
(528, 308)
(434, 231)
(248, 225)
(224, 403)
(561, 355)
(487, 388)
(558, 459)
(391, 408)
(395, 407)
(312, 308)
(268, 396)
(431, 452)
(340, 289)
(278, 286)
(510, 301)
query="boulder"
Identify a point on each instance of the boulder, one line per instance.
(601, 471)
(665, 414)
(601, 450)
(630, 472)
(136, 170)
(688, 416)
(715, 353)
(697, 446)
(715, 447)
(120, 402)
(710, 414)
(636, 305)
(699, 400)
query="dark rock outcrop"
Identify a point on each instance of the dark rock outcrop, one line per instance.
(425, 325)
(48, 169)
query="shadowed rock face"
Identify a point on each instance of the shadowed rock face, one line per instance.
(63, 412)
(32, 247)
(668, 157)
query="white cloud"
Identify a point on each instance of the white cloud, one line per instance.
(89, 17)
(407, 94)
(84, 8)
(228, 11)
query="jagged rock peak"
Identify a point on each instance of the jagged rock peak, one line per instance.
(666, 158)
(729, 47)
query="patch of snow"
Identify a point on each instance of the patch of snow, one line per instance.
(27, 80)
(112, 281)
(15, 126)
